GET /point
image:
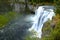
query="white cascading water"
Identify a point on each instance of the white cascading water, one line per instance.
(42, 15)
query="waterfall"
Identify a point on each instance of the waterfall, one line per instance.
(42, 15)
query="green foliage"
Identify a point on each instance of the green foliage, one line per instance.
(5, 6)
(5, 18)
(58, 11)
(31, 38)
(54, 33)
(57, 5)
(57, 2)
(41, 1)
(11, 14)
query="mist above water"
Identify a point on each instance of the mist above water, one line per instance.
(42, 15)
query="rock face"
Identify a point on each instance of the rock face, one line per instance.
(16, 30)
(19, 8)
